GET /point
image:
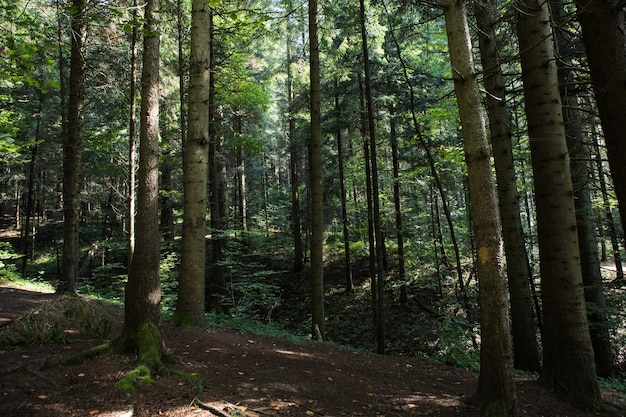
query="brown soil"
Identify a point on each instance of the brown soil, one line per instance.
(244, 375)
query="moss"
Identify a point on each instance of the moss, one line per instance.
(130, 381)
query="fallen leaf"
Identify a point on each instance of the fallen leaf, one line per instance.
(94, 412)
(42, 397)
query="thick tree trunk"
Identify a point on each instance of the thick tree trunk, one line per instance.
(190, 306)
(317, 206)
(523, 327)
(496, 389)
(72, 151)
(568, 360)
(585, 214)
(143, 291)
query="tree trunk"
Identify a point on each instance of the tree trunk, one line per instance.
(317, 205)
(585, 214)
(568, 360)
(603, 24)
(344, 211)
(523, 328)
(72, 152)
(215, 287)
(190, 306)
(296, 221)
(378, 236)
(397, 206)
(132, 139)
(140, 331)
(608, 212)
(496, 389)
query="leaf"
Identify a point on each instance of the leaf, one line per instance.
(94, 412)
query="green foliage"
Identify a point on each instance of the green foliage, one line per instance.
(249, 325)
(8, 270)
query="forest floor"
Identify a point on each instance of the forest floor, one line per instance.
(243, 375)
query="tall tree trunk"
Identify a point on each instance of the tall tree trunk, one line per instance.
(294, 159)
(72, 151)
(132, 139)
(393, 136)
(344, 211)
(215, 287)
(371, 242)
(496, 389)
(140, 332)
(603, 23)
(568, 360)
(28, 239)
(316, 170)
(190, 306)
(585, 214)
(378, 235)
(523, 328)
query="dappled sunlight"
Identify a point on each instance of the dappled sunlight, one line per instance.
(292, 353)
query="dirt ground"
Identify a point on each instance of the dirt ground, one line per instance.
(243, 375)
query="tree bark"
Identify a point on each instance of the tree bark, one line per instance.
(523, 327)
(496, 389)
(72, 149)
(190, 306)
(317, 205)
(140, 331)
(568, 360)
(585, 214)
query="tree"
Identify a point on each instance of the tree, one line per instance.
(317, 204)
(496, 389)
(523, 328)
(132, 137)
(72, 148)
(373, 161)
(568, 360)
(585, 213)
(191, 305)
(140, 332)
(603, 24)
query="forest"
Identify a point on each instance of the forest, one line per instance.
(438, 179)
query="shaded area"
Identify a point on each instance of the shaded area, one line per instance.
(258, 376)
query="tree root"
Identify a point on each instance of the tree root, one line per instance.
(40, 365)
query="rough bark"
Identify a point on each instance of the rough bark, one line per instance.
(190, 306)
(143, 291)
(523, 327)
(585, 214)
(496, 389)
(72, 148)
(568, 360)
